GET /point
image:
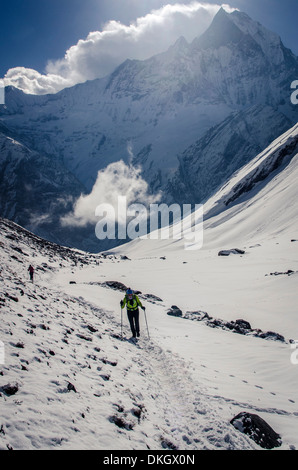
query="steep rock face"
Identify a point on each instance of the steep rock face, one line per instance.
(225, 148)
(249, 63)
(36, 190)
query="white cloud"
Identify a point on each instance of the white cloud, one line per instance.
(102, 51)
(116, 180)
(31, 81)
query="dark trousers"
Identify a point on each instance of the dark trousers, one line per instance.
(133, 318)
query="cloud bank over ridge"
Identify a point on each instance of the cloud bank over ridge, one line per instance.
(102, 51)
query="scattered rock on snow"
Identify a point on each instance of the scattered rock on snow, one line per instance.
(151, 298)
(167, 444)
(121, 423)
(71, 387)
(115, 285)
(272, 335)
(175, 311)
(239, 326)
(257, 429)
(105, 377)
(86, 338)
(234, 251)
(198, 315)
(289, 272)
(10, 389)
(92, 328)
(19, 345)
(11, 297)
(243, 324)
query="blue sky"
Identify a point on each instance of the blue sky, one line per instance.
(35, 32)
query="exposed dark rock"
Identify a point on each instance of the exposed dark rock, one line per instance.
(11, 297)
(198, 315)
(115, 285)
(138, 412)
(234, 251)
(166, 444)
(121, 423)
(111, 363)
(92, 328)
(175, 311)
(86, 338)
(289, 272)
(257, 429)
(105, 377)
(71, 387)
(243, 324)
(271, 335)
(239, 326)
(10, 389)
(151, 298)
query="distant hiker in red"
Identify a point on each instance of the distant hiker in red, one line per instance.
(31, 272)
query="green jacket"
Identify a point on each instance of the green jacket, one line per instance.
(132, 304)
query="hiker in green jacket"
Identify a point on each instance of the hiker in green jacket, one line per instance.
(132, 303)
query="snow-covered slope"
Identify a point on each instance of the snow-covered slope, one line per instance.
(73, 384)
(212, 160)
(79, 386)
(262, 194)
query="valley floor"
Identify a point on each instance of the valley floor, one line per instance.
(81, 386)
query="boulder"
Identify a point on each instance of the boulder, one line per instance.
(10, 389)
(175, 311)
(245, 325)
(114, 285)
(234, 251)
(151, 298)
(272, 335)
(257, 429)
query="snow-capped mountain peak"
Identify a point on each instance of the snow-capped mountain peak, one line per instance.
(221, 32)
(160, 107)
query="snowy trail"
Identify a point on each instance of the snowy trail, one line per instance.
(181, 407)
(199, 383)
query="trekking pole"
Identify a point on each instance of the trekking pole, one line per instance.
(146, 323)
(121, 322)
